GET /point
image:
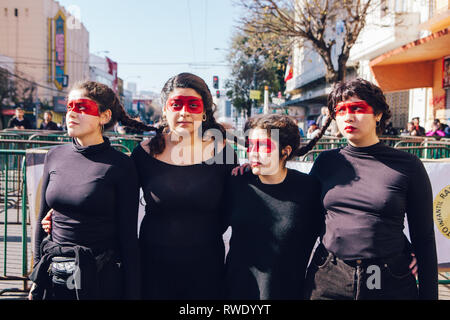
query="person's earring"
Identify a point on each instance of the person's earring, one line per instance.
(378, 124)
(204, 117)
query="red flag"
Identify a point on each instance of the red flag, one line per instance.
(112, 66)
(289, 71)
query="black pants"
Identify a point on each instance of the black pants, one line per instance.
(330, 278)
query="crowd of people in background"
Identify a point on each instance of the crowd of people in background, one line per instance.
(413, 128)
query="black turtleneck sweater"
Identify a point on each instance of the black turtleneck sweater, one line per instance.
(366, 193)
(274, 228)
(94, 194)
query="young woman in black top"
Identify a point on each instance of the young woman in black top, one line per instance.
(367, 188)
(92, 192)
(276, 216)
(183, 174)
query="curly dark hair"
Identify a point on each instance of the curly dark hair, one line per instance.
(289, 134)
(191, 81)
(107, 99)
(364, 90)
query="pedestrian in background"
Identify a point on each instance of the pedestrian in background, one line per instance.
(419, 130)
(48, 124)
(19, 121)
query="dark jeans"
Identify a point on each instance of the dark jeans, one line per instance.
(330, 278)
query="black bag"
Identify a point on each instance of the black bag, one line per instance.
(64, 272)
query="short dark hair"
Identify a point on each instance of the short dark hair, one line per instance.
(48, 112)
(364, 90)
(289, 134)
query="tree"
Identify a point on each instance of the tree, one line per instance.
(256, 60)
(314, 21)
(7, 93)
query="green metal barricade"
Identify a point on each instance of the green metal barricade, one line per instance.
(13, 196)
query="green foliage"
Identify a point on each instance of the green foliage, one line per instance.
(257, 60)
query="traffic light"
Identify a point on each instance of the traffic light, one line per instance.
(218, 93)
(216, 82)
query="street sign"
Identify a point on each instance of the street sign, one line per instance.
(278, 101)
(255, 94)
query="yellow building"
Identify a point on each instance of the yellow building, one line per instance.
(49, 46)
(423, 63)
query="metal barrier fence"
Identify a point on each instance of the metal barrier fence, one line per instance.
(13, 195)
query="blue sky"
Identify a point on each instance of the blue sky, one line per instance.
(139, 33)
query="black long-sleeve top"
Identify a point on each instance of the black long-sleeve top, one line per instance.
(274, 228)
(366, 193)
(14, 122)
(95, 195)
(184, 204)
(181, 233)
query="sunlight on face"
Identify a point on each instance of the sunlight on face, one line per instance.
(263, 152)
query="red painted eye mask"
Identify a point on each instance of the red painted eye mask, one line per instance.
(192, 104)
(83, 106)
(260, 145)
(358, 107)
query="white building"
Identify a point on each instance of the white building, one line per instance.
(99, 70)
(49, 44)
(387, 27)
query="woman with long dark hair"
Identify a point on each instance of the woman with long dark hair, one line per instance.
(366, 189)
(182, 172)
(92, 193)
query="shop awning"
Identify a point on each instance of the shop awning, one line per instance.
(412, 65)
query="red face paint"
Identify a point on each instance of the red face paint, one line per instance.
(192, 104)
(260, 145)
(353, 107)
(83, 106)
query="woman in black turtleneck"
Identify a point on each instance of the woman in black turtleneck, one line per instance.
(275, 215)
(92, 191)
(367, 188)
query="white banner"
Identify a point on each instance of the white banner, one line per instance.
(439, 173)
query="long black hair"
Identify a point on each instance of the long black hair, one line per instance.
(191, 81)
(107, 99)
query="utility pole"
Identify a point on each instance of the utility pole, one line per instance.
(266, 99)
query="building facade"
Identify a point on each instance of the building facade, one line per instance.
(49, 45)
(389, 24)
(421, 67)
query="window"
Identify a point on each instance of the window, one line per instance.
(383, 8)
(26, 12)
(6, 12)
(16, 12)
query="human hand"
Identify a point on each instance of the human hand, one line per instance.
(240, 169)
(47, 221)
(413, 265)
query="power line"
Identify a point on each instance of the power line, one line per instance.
(206, 63)
(190, 24)
(33, 82)
(206, 29)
